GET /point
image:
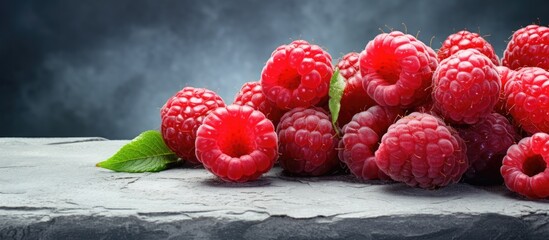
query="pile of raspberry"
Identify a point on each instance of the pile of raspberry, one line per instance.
(398, 111)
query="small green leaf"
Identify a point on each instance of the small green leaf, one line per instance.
(145, 153)
(337, 86)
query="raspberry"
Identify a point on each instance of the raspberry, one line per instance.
(505, 74)
(354, 98)
(466, 87)
(297, 75)
(528, 48)
(525, 168)
(420, 150)
(360, 140)
(466, 40)
(237, 143)
(487, 142)
(397, 69)
(182, 115)
(251, 94)
(307, 142)
(527, 99)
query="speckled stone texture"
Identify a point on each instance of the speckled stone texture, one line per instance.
(51, 189)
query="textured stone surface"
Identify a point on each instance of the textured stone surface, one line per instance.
(51, 189)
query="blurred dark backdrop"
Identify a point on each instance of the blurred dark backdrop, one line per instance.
(104, 68)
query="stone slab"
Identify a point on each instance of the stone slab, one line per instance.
(51, 189)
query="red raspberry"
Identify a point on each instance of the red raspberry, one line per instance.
(354, 98)
(397, 69)
(527, 99)
(182, 115)
(525, 168)
(307, 142)
(251, 94)
(420, 150)
(360, 140)
(466, 40)
(505, 74)
(487, 142)
(528, 48)
(297, 75)
(237, 143)
(466, 87)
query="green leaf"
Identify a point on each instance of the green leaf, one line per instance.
(145, 153)
(337, 86)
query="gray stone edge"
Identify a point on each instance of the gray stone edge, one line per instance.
(420, 226)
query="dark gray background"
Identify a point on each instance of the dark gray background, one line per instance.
(105, 68)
